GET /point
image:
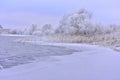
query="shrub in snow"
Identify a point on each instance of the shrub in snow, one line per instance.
(37, 32)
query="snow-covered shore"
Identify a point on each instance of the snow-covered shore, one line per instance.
(85, 63)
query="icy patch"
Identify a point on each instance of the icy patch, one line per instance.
(15, 53)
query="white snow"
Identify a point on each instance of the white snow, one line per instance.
(16, 35)
(87, 62)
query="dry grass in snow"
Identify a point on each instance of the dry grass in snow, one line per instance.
(108, 40)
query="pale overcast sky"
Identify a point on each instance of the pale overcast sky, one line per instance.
(19, 13)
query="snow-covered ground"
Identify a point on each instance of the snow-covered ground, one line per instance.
(50, 61)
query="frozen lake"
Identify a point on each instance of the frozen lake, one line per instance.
(56, 61)
(15, 53)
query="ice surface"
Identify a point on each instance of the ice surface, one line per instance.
(86, 63)
(14, 53)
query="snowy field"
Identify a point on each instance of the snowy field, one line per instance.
(56, 61)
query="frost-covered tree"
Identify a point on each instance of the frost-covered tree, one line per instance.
(47, 29)
(1, 27)
(30, 30)
(75, 23)
(13, 32)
